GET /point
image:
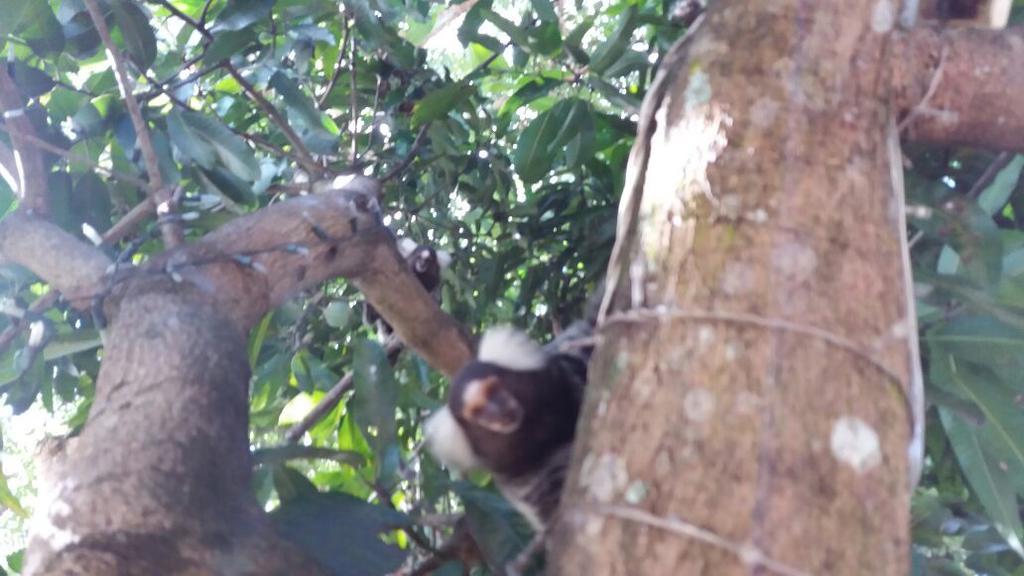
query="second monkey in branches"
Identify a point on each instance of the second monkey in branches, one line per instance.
(427, 264)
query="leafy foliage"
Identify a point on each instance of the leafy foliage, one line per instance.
(503, 128)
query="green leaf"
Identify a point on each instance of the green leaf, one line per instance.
(136, 31)
(575, 112)
(366, 22)
(229, 148)
(82, 39)
(534, 155)
(1003, 427)
(627, 102)
(497, 528)
(242, 14)
(545, 9)
(31, 82)
(342, 533)
(992, 486)
(514, 31)
(375, 402)
(258, 337)
(295, 100)
(609, 51)
(574, 41)
(291, 484)
(981, 339)
(8, 500)
(582, 146)
(68, 345)
(191, 146)
(227, 44)
(530, 88)
(993, 198)
(34, 22)
(311, 373)
(439, 103)
(232, 190)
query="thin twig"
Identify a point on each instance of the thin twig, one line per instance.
(178, 13)
(337, 67)
(128, 223)
(170, 227)
(413, 151)
(923, 106)
(40, 305)
(204, 13)
(989, 175)
(170, 85)
(304, 157)
(747, 553)
(38, 142)
(328, 402)
(353, 96)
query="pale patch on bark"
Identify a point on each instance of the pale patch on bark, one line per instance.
(796, 261)
(699, 404)
(747, 402)
(855, 443)
(732, 351)
(883, 16)
(764, 112)
(705, 336)
(636, 492)
(603, 476)
(737, 279)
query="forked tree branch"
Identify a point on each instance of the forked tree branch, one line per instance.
(254, 263)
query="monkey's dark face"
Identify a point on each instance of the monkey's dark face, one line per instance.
(510, 408)
(512, 411)
(425, 262)
(513, 419)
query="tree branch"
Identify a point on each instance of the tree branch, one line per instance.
(30, 171)
(254, 263)
(961, 86)
(169, 227)
(71, 266)
(353, 95)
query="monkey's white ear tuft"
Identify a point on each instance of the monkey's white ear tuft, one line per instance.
(407, 246)
(444, 258)
(447, 441)
(511, 349)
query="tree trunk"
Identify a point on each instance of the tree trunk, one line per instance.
(154, 485)
(748, 410)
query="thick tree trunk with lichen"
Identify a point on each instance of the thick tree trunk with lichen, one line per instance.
(748, 406)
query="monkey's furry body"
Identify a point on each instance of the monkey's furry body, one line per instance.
(512, 411)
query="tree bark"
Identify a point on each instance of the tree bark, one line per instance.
(961, 86)
(156, 483)
(749, 403)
